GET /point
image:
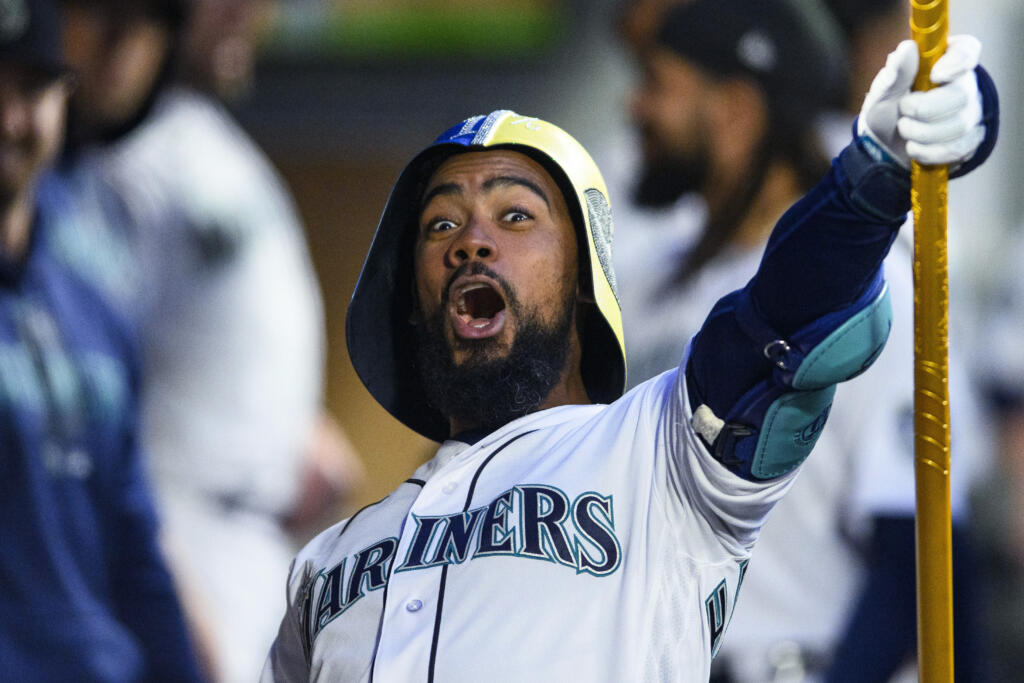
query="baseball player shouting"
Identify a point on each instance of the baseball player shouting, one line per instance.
(564, 532)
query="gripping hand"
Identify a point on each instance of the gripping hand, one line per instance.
(939, 126)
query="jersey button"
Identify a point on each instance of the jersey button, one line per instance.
(449, 487)
(413, 606)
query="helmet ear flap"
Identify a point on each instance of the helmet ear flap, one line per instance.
(415, 312)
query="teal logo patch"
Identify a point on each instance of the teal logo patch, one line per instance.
(809, 434)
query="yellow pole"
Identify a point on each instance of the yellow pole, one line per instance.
(930, 24)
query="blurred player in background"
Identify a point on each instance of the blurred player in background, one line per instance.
(84, 594)
(1000, 511)
(728, 108)
(216, 272)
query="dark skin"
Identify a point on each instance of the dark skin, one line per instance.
(117, 58)
(502, 209)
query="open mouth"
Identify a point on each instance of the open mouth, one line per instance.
(479, 310)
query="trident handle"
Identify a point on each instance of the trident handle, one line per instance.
(930, 26)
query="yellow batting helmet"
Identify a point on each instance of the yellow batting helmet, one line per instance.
(378, 331)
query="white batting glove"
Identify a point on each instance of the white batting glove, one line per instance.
(938, 126)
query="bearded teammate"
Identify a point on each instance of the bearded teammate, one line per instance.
(562, 531)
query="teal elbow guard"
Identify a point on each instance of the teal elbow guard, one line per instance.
(773, 427)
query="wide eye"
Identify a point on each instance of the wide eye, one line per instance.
(517, 215)
(440, 225)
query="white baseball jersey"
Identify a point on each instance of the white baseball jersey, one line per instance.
(234, 324)
(806, 569)
(216, 270)
(579, 543)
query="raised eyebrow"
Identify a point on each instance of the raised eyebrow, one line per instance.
(443, 188)
(505, 180)
(489, 184)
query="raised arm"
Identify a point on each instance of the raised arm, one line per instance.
(763, 368)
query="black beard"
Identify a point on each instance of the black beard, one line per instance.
(664, 179)
(485, 391)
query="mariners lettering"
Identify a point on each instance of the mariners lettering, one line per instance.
(329, 595)
(715, 606)
(536, 522)
(544, 512)
(91, 385)
(593, 515)
(496, 538)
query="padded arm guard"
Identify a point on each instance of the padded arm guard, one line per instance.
(774, 426)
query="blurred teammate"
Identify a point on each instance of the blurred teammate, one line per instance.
(84, 593)
(217, 274)
(728, 109)
(1000, 512)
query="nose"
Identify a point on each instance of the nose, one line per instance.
(474, 242)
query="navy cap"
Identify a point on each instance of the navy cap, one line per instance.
(796, 55)
(854, 14)
(30, 34)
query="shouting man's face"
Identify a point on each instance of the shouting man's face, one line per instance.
(496, 281)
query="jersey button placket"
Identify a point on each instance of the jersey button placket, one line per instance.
(408, 628)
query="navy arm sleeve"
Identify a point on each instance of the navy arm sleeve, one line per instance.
(823, 255)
